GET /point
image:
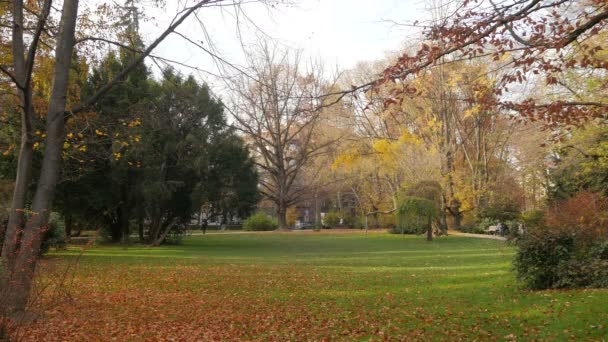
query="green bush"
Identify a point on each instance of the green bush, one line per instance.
(260, 222)
(538, 259)
(471, 229)
(555, 259)
(569, 249)
(54, 235)
(331, 219)
(533, 218)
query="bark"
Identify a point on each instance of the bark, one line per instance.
(16, 216)
(69, 224)
(281, 212)
(155, 229)
(124, 225)
(140, 223)
(22, 271)
(158, 241)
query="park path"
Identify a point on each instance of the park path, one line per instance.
(480, 236)
(349, 231)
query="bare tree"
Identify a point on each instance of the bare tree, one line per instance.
(277, 106)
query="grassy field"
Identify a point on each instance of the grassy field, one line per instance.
(307, 286)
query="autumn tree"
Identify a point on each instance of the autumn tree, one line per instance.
(532, 41)
(277, 107)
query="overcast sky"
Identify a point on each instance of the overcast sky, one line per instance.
(340, 32)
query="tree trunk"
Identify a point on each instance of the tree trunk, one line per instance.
(456, 214)
(16, 221)
(21, 273)
(155, 227)
(140, 223)
(124, 225)
(166, 231)
(282, 216)
(68, 222)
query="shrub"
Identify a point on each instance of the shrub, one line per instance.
(533, 218)
(538, 259)
(387, 221)
(260, 222)
(358, 222)
(331, 219)
(54, 235)
(471, 228)
(585, 214)
(292, 216)
(570, 249)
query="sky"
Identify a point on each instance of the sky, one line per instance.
(340, 33)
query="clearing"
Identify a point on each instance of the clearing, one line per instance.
(286, 286)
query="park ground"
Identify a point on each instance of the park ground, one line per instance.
(305, 286)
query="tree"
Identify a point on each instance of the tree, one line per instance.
(179, 135)
(537, 41)
(277, 107)
(419, 212)
(229, 184)
(23, 239)
(580, 163)
(439, 133)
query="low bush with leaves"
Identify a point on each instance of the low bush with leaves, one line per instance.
(54, 236)
(331, 219)
(471, 229)
(533, 218)
(260, 222)
(570, 250)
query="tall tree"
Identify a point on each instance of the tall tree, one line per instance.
(277, 107)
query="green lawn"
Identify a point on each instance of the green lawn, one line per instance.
(307, 286)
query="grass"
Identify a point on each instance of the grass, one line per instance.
(307, 286)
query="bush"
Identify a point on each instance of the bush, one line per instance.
(292, 216)
(260, 222)
(533, 218)
(331, 219)
(357, 222)
(54, 236)
(585, 212)
(538, 259)
(570, 249)
(472, 229)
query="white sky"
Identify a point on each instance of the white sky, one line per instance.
(339, 32)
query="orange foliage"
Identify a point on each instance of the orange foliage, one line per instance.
(584, 215)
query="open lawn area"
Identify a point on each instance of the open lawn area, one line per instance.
(310, 286)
